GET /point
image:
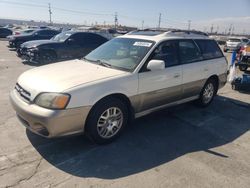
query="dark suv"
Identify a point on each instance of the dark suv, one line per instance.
(64, 46)
(16, 41)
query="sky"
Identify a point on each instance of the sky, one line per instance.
(203, 14)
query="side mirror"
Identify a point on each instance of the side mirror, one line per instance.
(155, 65)
(70, 41)
(36, 34)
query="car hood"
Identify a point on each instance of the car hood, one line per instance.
(61, 76)
(35, 43)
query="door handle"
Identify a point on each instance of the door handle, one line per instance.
(177, 75)
(206, 69)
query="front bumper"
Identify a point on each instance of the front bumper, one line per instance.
(49, 123)
(27, 55)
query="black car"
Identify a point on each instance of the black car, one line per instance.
(4, 32)
(64, 46)
(16, 41)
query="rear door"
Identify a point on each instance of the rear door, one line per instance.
(195, 70)
(157, 88)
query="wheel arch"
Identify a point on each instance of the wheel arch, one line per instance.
(216, 80)
(122, 98)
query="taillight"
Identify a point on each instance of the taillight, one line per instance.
(17, 33)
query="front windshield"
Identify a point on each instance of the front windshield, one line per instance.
(61, 37)
(121, 53)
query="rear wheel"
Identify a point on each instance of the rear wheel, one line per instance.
(207, 94)
(107, 120)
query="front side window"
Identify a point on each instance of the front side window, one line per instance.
(61, 37)
(189, 52)
(209, 49)
(121, 53)
(168, 52)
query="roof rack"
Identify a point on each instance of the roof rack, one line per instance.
(170, 31)
(188, 32)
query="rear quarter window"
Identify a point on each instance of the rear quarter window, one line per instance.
(209, 49)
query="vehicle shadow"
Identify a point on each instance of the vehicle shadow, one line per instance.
(150, 141)
(12, 49)
(31, 64)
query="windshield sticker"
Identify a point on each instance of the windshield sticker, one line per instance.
(144, 44)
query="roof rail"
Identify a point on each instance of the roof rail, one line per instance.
(187, 32)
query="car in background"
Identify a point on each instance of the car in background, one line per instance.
(233, 43)
(4, 32)
(21, 32)
(64, 46)
(244, 57)
(17, 40)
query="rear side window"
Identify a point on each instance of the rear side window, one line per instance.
(89, 39)
(209, 49)
(189, 52)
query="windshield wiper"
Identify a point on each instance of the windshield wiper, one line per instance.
(104, 63)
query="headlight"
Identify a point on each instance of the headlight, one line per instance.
(33, 49)
(52, 100)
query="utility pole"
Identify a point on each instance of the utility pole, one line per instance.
(217, 30)
(142, 25)
(159, 23)
(116, 20)
(50, 12)
(189, 25)
(230, 29)
(212, 28)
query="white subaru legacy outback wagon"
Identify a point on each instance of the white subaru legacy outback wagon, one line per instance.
(129, 76)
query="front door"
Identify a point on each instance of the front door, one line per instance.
(157, 88)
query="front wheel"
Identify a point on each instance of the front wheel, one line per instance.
(207, 94)
(47, 57)
(107, 120)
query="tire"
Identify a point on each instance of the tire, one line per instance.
(47, 57)
(103, 128)
(243, 67)
(207, 93)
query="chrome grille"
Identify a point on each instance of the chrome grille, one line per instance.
(22, 92)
